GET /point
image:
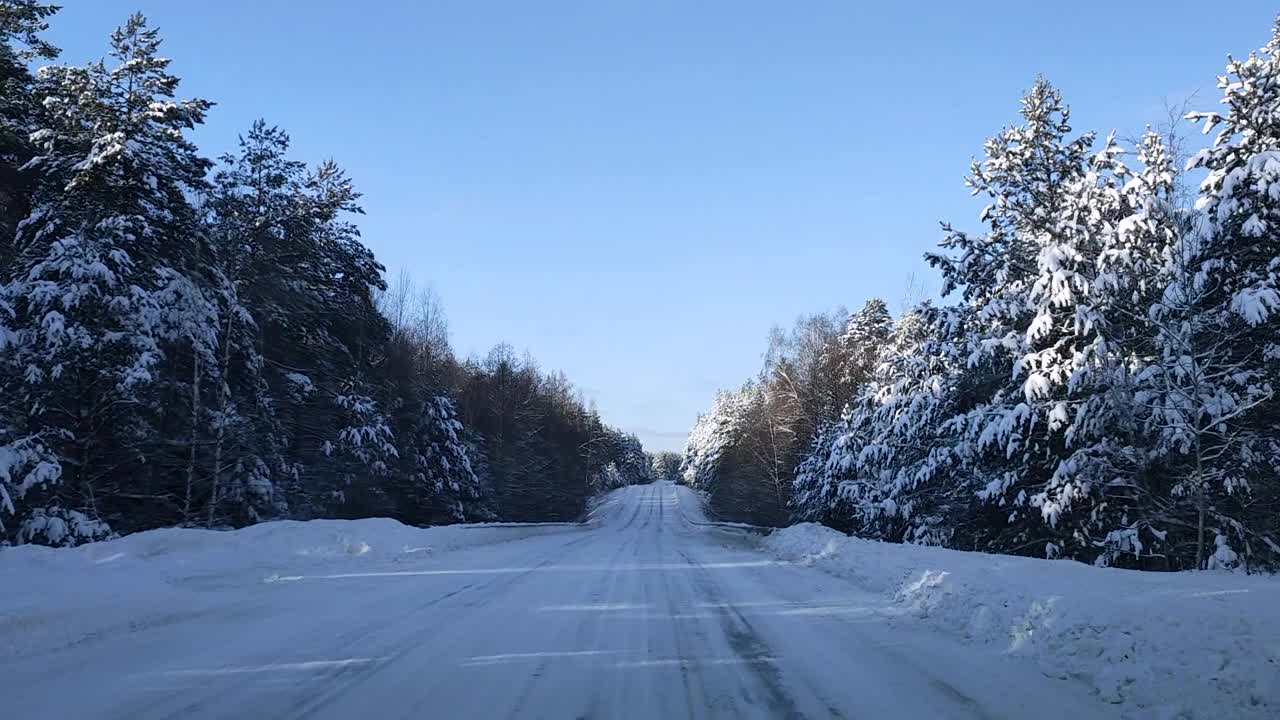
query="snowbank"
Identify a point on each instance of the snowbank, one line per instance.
(169, 575)
(1165, 645)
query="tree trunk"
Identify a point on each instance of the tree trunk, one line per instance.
(1201, 561)
(223, 396)
(195, 430)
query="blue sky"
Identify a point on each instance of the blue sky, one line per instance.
(637, 191)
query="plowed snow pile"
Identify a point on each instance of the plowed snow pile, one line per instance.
(1164, 645)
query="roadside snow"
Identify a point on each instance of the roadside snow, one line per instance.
(1163, 645)
(170, 575)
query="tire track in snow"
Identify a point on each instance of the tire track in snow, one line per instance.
(529, 687)
(753, 652)
(416, 639)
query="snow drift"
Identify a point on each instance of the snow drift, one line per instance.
(1165, 645)
(172, 574)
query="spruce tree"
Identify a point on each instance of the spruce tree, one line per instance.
(101, 285)
(1003, 450)
(1214, 384)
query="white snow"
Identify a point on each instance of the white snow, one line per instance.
(58, 598)
(642, 612)
(1162, 645)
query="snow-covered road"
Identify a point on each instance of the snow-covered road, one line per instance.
(643, 615)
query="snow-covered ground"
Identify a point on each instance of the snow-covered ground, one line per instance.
(641, 613)
(1163, 645)
(52, 599)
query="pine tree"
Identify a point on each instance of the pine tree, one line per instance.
(858, 349)
(1085, 346)
(666, 466)
(26, 461)
(885, 470)
(99, 289)
(816, 493)
(997, 437)
(304, 408)
(257, 213)
(1219, 347)
(21, 22)
(715, 431)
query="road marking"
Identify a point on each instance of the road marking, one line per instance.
(276, 667)
(480, 660)
(651, 567)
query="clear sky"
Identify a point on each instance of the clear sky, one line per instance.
(635, 191)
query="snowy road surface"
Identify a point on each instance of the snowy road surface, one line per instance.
(644, 615)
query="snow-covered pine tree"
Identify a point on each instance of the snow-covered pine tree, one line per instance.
(303, 413)
(434, 480)
(858, 348)
(439, 483)
(21, 23)
(256, 214)
(714, 431)
(360, 452)
(915, 488)
(1084, 348)
(633, 462)
(666, 466)
(1218, 338)
(889, 473)
(26, 462)
(99, 287)
(815, 494)
(616, 458)
(997, 436)
(340, 347)
(477, 506)
(815, 491)
(1109, 439)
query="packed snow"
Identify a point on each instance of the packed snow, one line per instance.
(60, 598)
(1160, 645)
(639, 613)
(645, 610)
